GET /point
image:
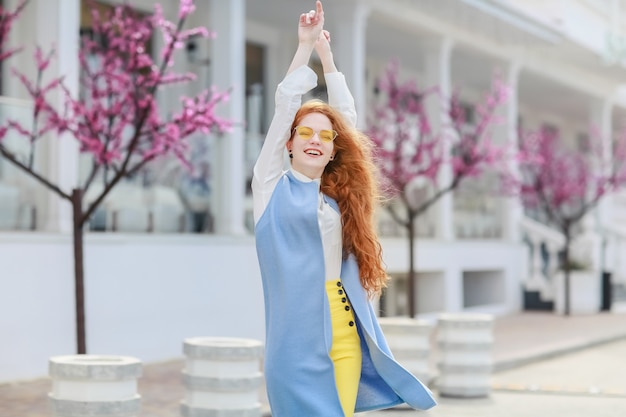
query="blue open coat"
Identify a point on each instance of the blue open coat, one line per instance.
(298, 370)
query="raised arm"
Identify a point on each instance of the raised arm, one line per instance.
(299, 80)
(310, 25)
(339, 95)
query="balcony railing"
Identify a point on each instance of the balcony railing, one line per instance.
(545, 244)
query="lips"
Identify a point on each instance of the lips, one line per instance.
(313, 152)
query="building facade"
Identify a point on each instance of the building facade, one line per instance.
(170, 254)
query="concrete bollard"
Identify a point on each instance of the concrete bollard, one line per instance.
(94, 386)
(409, 341)
(222, 377)
(465, 359)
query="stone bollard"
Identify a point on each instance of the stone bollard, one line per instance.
(465, 360)
(94, 386)
(222, 377)
(409, 341)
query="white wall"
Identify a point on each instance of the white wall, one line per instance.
(447, 261)
(144, 295)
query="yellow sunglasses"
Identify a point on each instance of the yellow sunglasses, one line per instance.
(307, 133)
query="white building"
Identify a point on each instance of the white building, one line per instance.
(146, 290)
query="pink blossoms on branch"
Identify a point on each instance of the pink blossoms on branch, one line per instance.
(7, 19)
(116, 118)
(408, 149)
(562, 185)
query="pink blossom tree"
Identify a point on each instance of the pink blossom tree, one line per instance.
(116, 120)
(410, 151)
(563, 185)
(7, 18)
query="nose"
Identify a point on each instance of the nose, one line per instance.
(315, 138)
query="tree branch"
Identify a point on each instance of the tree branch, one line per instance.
(13, 159)
(396, 217)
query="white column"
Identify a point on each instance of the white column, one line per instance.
(9, 82)
(222, 377)
(409, 340)
(61, 18)
(348, 36)
(18, 37)
(453, 295)
(512, 207)
(227, 19)
(601, 115)
(168, 99)
(465, 342)
(601, 111)
(438, 73)
(94, 385)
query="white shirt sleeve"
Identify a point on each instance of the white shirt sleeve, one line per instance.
(269, 165)
(339, 96)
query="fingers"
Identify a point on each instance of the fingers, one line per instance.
(319, 8)
(320, 11)
(308, 18)
(313, 17)
(324, 36)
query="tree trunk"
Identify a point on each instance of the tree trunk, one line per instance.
(566, 275)
(410, 286)
(79, 271)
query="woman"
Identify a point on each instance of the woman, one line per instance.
(318, 252)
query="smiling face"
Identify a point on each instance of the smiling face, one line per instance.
(311, 156)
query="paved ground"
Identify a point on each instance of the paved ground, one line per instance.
(518, 405)
(545, 365)
(599, 371)
(587, 383)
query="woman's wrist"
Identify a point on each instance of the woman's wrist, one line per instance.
(307, 45)
(328, 63)
(301, 57)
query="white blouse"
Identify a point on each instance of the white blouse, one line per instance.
(269, 166)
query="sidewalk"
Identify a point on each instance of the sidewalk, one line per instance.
(532, 336)
(518, 340)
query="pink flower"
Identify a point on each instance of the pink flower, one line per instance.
(409, 147)
(186, 8)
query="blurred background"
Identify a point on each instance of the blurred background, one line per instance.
(170, 251)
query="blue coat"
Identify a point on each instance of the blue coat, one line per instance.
(298, 370)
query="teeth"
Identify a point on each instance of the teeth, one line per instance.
(313, 152)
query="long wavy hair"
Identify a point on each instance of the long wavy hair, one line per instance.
(351, 179)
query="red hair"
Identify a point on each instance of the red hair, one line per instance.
(351, 180)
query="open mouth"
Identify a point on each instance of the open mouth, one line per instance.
(313, 152)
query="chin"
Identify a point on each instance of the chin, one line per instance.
(309, 167)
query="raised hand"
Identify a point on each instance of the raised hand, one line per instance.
(322, 47)
(311, 24)
(322, 44)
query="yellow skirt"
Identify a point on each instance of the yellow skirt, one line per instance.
(346, 348)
